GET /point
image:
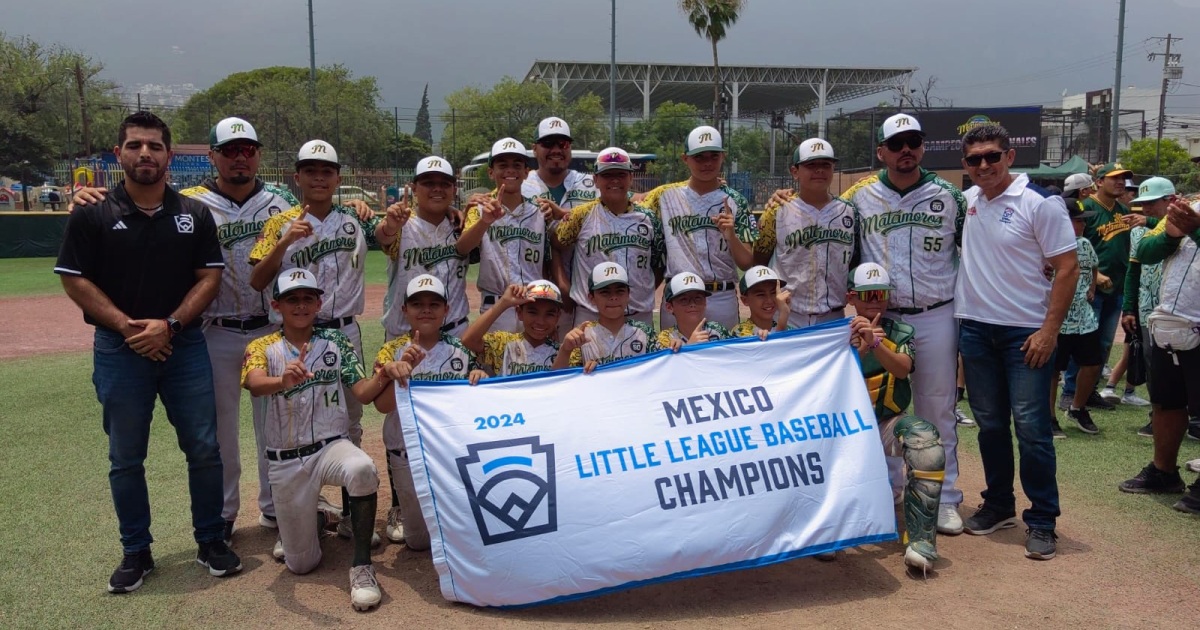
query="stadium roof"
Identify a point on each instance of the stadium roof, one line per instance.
(752, 89)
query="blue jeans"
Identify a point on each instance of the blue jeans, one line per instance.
(127, 385)
(1108, 314)
(1001, 386)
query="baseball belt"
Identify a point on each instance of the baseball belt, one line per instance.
(335, 323)
(453, 325)
(252, 323)
(303, 451)
(914, 311)
(713, 287)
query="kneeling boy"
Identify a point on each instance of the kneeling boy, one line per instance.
(612, 336)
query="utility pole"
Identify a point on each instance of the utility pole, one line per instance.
(67, 112)
(1171, 70)
(1116, 97)
(85, 123)
(612, 82)
(312, 59)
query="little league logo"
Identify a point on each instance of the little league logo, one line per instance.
(329, 358)
(456, 364)
(847, 222)
(636, 346)
(1007, 216)
(184, 224)
(510, 485)
(348, 228)
(936, 205)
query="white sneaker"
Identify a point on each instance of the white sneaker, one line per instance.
(277, 552)
(962, 419)
(1134, 400)
(267, 522)
(949, 522)
(1110, 395)
(364, 588)
(1193, 465)
(1106, 372)
(395, 528)
(346, 530)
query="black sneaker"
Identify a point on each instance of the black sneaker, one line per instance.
(1056, 430)
(1153, 481)
(1083, 420)
(1096, 402)
(988, 519)
(1147, 431)
(1193, 430)
(1190, 502)
(128, 577)
(219, 558)
(228, 535)
(1065, 400)
(1039, 544)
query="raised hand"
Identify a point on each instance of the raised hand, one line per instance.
(300, 228)
(491, 211)
(514, 295)
(550, 210)
(399, 213)
(724, 220)
(574, 339)
(296, 372)
(701, 334)
(783, 299)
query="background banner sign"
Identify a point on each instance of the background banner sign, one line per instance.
(727, 456)
(944, 129)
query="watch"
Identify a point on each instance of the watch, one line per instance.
(174, 325)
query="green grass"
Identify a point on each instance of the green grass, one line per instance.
(28, 276)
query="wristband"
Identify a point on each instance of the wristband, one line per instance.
(878, 340)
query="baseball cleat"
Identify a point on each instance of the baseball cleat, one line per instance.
(917, 561)
(277, 552)
(395, 527)
(364, 588)
(267, 521)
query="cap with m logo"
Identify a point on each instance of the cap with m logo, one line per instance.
(703, 139)
(230, 130)
(897, 124)
(870, 277)
(507, 146)
(757, 275)
(294, 279)
(553, 126)
(686, 282)
(317, 151)
(813, 149)
(433, 165)
(605, 274)
(425, 283)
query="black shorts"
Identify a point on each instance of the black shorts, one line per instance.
(1175, 386)
(1085, 349)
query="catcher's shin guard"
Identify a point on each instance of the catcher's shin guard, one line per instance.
(926, 460)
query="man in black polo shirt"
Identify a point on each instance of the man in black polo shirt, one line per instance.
(143, 265)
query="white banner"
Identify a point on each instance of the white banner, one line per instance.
(726, 456)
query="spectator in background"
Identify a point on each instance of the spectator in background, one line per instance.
(1079, 337)
(1079, 185)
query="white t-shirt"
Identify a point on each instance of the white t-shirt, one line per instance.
(1006, 244)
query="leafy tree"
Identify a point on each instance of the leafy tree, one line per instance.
(665, 134)
(1173, 162)
(750, 148)
(408, 150)
(710, 18)
(423, 130)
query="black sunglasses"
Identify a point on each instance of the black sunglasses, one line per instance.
(554, 143)
(896, 144)
(992, 157)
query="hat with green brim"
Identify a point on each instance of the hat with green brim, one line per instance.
(686, 282)
(1112, 169)
(870, 277)
(607, 274)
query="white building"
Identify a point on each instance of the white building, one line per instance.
(1131, 123)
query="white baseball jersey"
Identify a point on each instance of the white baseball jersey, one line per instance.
(514, 248)
(335, 253)
(1179, 293)
(238, 227)
(634, 338)
(913, 234)
(693, 242)
(423, 247)
(448, 360)
(314, 410)
(580, 189)
(812, 249)
(633, 239)
(508, 354)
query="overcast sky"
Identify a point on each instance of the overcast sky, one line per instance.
(993, 53)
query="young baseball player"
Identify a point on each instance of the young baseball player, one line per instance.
(763, 293)
(510, 232)
(707, 227)
(427, 353)
(686, 298)
(307, 375)
(613, 335)
(886, 356)
(537, 307)
(426, 243)
(329, 240)
(613, 229)
(1079, 336)
(811, 238)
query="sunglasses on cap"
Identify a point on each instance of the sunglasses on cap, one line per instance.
(613, 158)
(231, 151)
(992, 157)
(553, 143)
(874, 295)
(896, 144)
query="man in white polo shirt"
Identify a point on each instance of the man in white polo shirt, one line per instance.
(1009, 316)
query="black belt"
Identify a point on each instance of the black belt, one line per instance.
(489, 300)
(253, 323)
(453, 325)
(713, 287)
(335, 323)
(915, 311)
(303, 451)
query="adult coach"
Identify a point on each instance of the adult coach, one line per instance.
(142, 265)
(910, 222)
(1010, 316)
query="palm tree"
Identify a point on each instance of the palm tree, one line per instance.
(710, 18)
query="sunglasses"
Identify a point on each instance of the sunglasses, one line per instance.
(992, 157)
(551, 143)
(613, 158)
(231, 151)
(896, 144)
(874, 295)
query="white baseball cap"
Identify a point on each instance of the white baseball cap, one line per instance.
(434, 164)
(424, 283)
(1077, 181)
(607, 273)
(230, 129)
(757, 274)
(317, 151)
(869, 277)
(295, 278)
(680, 283)
(703, 139)
(505, 146)
(613, 158)
(553, 126)
(897, 124)
(813, 149)
(544, 290)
